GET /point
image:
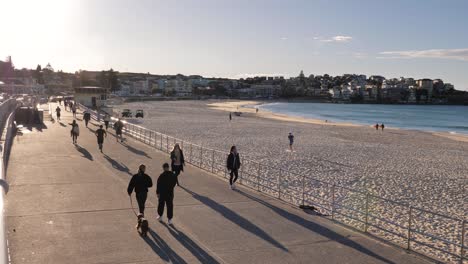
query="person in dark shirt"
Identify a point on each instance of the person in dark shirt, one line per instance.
(86, 117)
(100, 136)
(57, 110)
(165, 193)
(140, 182)
(291, 141)
(118, 126)
(233, 164)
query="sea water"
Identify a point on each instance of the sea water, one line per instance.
(440, 118)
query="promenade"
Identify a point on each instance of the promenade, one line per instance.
(68, 204)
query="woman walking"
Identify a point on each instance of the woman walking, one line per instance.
(233, 164)
(177, 161)
(75, 131)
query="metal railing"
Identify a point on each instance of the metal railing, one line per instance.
(432, 234)
(6, 137)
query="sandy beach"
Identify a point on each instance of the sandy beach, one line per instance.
(422, 169)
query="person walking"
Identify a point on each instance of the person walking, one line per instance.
(382, 126)
(233, 164)
(230, 116)
(118, 126)
(73, 108)
(291, 141)
(177, 161)
(57, 111)
(100, 137)
(60, 101)
(140, 182)
(106, 121)
(165, 192)
(65, 104)
(86, 117)
(75, 131)
(376, 126)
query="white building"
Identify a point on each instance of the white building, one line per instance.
(91, 96)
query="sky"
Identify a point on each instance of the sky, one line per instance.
(241, 38)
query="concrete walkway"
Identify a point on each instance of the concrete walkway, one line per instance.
(68, 204)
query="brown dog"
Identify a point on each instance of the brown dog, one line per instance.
(142, 225)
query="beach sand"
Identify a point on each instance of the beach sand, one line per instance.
(421, 169)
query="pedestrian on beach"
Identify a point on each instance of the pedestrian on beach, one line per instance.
(86, 117)
(230, 116)
(106, 121)
(177, 161)
(60, 101)
(118, 126)
(58, 110)
(256, 110)
(73, 108)
(233, 164)
(65, 104)
(165, 192)
(75, 131)
(140, 182)
(376, 126)
(100, 137)
(291, 141)
(382, 126)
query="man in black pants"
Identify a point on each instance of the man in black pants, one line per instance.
(140, 182)
(100, 137)
(165, 192)
(233, 164)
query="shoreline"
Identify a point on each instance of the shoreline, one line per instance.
(242, 106)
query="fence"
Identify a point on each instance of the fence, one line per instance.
(6, 135)
(432, 234)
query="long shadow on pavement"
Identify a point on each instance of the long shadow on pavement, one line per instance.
(85, 152)
(117, 165)
(319, 229)
(134, 150)
(162, 249)
(190, 245)
(236, 219)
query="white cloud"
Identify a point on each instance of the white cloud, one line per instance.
(453, 54)
(335, 39)
(284, 38)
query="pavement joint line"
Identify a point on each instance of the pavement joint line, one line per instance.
(77, 212)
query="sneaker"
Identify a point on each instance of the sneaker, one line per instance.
(159, 218)
(169, 222)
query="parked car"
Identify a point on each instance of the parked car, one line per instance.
(126, 113)
(139, 113)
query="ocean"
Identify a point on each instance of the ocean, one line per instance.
(436, 118)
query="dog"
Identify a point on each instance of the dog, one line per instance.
(142, 225)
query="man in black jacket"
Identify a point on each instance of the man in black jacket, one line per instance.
(140, 182)
(165, 192)
(233, 164)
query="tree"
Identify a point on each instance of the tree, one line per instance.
(113, 80)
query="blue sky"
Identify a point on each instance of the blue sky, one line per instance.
(418, 38)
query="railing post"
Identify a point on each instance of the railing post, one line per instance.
(258, 176)
(190, 153)
(167, 144)
(462, 242)
(242, 175)
(410, 219)
(212, 161)
(333, 202)
(367, 213)
(303, 190)
(201, 157)
(161, 141)
(279, 183)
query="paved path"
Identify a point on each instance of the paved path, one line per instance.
(68, 204)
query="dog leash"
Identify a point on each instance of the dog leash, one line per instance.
(131, 204)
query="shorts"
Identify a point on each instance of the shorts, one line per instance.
(118, 132)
